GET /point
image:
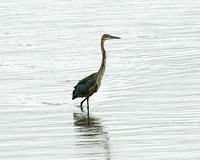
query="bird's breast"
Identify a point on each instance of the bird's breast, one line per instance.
(100, 76)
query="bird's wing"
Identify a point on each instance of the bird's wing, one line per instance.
(84, 85)
(86, 79)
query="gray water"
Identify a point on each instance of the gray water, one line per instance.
(148, 105)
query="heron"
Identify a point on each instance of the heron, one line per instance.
(90, 84)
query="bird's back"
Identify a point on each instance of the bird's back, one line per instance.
(86, 87)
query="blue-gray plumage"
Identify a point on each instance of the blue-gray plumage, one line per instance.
(90, 84)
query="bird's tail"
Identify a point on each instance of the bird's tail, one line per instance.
(74, 95)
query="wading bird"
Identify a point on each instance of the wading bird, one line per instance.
(89, 85)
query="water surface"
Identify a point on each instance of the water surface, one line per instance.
(148, 104)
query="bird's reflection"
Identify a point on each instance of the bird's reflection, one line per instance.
(92, 139)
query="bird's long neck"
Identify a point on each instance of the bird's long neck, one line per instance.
(103, 63)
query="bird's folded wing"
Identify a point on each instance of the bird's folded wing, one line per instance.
(86, 84)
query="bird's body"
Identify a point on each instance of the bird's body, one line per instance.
(86, 87)
(90, 84)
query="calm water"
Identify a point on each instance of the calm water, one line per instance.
(148, 106)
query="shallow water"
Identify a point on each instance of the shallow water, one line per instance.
(148, 104)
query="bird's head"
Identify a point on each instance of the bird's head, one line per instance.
(107, 37)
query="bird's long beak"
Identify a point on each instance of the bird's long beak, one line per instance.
(113, 37)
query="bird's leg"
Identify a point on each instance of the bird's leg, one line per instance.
(82, 103)
(88, 104)
(88, 117)
(88, 107)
